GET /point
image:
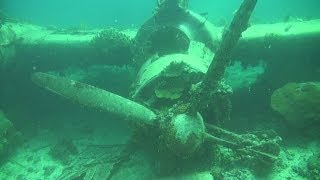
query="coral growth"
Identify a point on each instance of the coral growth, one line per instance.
(298, 103)
(259, 159)
(313, 167)
(9, 137)
(7, 48)
(238, 76)
(113, 47)
(309, 168)
(184, 134)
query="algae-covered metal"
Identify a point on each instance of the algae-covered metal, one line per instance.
(179, 129)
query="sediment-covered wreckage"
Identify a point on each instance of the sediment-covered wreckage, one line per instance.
(186, 70)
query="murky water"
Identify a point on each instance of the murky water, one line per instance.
(159, 90)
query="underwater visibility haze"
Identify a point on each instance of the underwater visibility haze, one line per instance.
(164, 89)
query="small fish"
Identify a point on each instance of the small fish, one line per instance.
(204, 14)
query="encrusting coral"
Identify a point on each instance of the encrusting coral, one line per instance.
(114, 46)
(9, 137)
(7, 47)
(298, 103)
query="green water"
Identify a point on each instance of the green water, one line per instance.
(120, 90)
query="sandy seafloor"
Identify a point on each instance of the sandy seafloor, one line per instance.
(32, 159)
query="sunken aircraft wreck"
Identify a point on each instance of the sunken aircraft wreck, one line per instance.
(180, 102)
